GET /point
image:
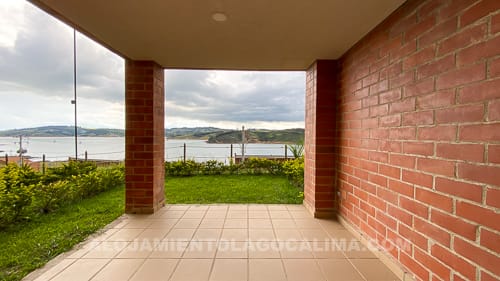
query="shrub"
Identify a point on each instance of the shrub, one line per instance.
(48, 196)
(294, 170)
(16, 184)
(24, 191)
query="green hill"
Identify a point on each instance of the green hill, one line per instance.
(213, 135)
(260, 136)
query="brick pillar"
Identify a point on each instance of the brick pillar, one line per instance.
(144, 137)
(319, 174)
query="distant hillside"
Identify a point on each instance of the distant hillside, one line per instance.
(199, 133)
(213, 135)
(260, 136)
(62, 131)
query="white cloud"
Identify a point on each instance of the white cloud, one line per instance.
(36, 83)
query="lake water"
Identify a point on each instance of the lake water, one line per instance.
(113, 148)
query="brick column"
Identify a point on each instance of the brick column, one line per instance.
(144, 137)
(319, 174)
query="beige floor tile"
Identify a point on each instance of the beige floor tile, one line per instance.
(170, 214)
(341, 234)
(81, 270)
(187, 223)
(152, 235)
(257, 207)
(238, 207)
(327, 250)
(137, 250)
(81, 249)
(237, 215)
(106, 250)
(261, 235)
(125, 234)
(54, 270)
(295, 250)
(338, 270)
(232, 249)
(118, 270)
(315, 235)
(207, 234)
(356, 250)
(330, 224)
(288, 235)
(258, 214)
(263, 250)
(193, 214)
(192, 270)
(215, 214)
(200, 250)
(374, 269)
(211, 223)
(280, 215)
(179, 207)
(218, 207)
(300, 214)
(266, 270)
(307, 223)
(283, 223)
(229, 234)
(163, 224)
(236, 223)
(165, 250)
(105, 234)
(302, 270)
(198, 207)
(280, 207)
(140, 223)
(229, 270)
(259, 223)
(179, 234)
(295, 207)
(155, 270)
(120, 222)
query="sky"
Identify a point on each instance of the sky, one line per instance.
(36, 83)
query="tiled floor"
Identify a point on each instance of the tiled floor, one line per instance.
(220, 242)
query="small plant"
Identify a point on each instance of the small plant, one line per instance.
(297, 149)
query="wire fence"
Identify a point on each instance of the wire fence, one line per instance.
(225, 153)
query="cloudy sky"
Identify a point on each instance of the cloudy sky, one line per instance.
(36, 83)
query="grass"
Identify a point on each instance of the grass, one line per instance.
(29, 245)
(265, 189)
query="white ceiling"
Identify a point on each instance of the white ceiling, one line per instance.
(257, 35)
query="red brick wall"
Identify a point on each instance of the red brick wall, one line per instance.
(420, 143)
(320, 132)
(144, 137)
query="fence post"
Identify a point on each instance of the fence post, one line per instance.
(286, 152)
(86, 156)
(184, 152)
(6, 159)
(231, 155)
(43, 164)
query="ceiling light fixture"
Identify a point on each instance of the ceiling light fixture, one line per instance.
(219, 17)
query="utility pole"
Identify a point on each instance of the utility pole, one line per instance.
(74, 90)
(242, 144)
(21, 151)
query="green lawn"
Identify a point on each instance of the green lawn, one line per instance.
(266, 189)
(29, 245)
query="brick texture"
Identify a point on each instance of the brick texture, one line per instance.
(320, 132)
(144, 137)
(419, 137)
